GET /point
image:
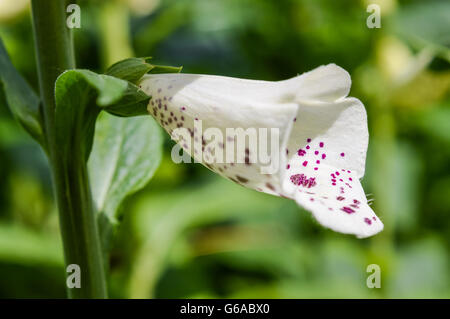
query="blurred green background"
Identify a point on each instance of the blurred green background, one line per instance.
(190, 233)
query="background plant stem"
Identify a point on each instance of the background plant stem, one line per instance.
(54, 50)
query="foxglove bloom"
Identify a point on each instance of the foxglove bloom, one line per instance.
(322, 134)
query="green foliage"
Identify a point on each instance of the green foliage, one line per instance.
(22, 101)
(414, 25)
(126, 151)
(125, 155)
(133, 69)
(81, 95)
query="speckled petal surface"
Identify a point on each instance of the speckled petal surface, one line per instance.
(320, 147)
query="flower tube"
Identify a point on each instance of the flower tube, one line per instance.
(312, 136)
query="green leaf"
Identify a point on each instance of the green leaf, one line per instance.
(158, 69)
(125, 155)
(22, 101)
(133, 102)
(80, 95)
(133, 69)
(125, 152)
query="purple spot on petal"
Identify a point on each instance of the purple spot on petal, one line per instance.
(303, 180)
(342, 154)
(241, 179)
(321, 144)
(348, 210)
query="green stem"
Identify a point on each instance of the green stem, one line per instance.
(54, 50)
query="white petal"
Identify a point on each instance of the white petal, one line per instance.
(183, 100)
(325, 83)
(327, 151)
(321, 132)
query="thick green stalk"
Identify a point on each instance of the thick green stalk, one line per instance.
(79, 231)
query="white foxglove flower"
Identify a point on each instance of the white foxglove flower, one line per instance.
(323, 137)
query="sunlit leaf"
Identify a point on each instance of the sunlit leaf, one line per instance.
(124, 157)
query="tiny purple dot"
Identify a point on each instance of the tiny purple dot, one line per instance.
(316, 168)
(321, 144)
(307, 147)
(317, 162)
(316, 152)
(308, 140)
(305, 163)
(323, 156)
(342, 154)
